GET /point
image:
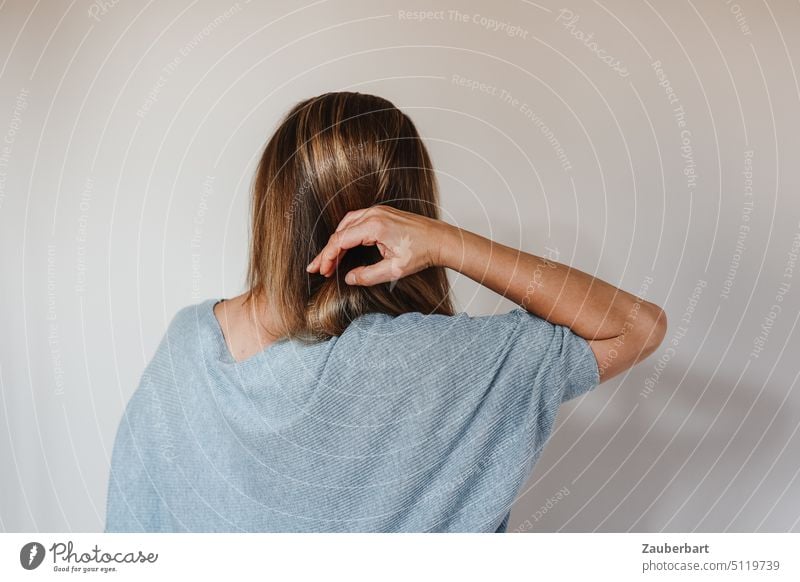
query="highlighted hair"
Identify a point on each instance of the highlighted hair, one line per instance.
(332, 154)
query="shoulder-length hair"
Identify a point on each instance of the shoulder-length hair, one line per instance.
(332, 154)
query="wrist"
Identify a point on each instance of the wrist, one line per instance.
(448, 245)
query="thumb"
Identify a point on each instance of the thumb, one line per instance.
(369, 275)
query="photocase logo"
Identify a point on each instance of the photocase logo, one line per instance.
(31, 555)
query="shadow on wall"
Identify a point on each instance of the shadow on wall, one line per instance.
(698, 453)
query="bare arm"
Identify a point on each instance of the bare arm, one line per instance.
(620, 328)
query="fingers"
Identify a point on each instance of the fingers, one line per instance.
(381, 272)
(351, 217)
(329, 257)
(313, 266)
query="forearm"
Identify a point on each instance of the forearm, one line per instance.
(592, 308)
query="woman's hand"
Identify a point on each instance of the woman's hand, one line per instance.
(407, 242)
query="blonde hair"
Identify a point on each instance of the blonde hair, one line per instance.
(332, 154)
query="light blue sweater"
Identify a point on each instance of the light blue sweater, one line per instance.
(410, 423)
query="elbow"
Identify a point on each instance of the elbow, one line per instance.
(654, 329)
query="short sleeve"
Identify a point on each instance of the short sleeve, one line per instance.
(527, 367)
(515, 365)
(543, 356)
(537, 367)
(489, 390)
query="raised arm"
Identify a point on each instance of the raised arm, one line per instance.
(621, 329)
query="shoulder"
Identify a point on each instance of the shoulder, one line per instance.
(177, 352)
(496, 324)
(416, 322)
(416, 331)
(187, 327)
(188, 318)
(178, 345)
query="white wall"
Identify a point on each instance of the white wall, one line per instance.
(130, 132)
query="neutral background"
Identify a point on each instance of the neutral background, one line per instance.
(129, 133)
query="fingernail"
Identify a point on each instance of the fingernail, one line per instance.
(350, 278)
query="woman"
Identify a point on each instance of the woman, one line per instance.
(341, 392)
